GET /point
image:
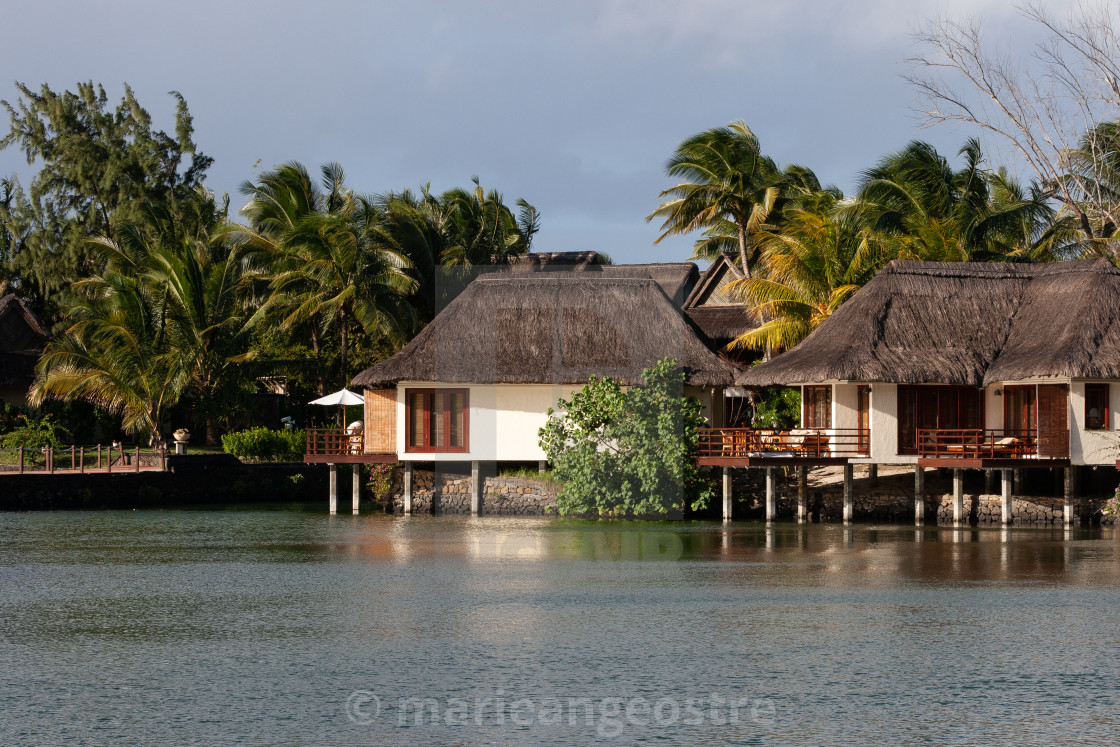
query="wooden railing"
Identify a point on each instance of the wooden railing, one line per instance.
(333, 442)
(976, 443)
(799, 442)
(81, 459)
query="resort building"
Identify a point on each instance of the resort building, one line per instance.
(960, 365)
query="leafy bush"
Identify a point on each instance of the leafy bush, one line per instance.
(380, 480)
(31, 433)
(627, 453)
(265, 444)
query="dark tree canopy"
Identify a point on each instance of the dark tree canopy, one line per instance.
(96, 167)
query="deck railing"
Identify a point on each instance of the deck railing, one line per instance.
(820, 443)
(333, 442)
(81, 459)
(976, 443)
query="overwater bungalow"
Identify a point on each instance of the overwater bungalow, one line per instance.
(960, 365)
(474, 387)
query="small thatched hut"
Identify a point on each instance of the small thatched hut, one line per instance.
(1026, 358)
(476, 383)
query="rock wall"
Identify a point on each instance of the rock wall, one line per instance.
(449, 493)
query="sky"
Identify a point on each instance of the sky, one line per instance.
(574, 106)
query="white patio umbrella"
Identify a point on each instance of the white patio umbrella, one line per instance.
(339, 399)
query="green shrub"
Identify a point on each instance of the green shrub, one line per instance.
(31, 433)
(626, 453)
(265, 444)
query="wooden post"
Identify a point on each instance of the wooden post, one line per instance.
(873, 475)
(73, 464)
(919, 496)
(137, 458)
(989, 481)
(958, 497)
(356, 479)
(802, 494)
(108, 458)
(21, 460)
(99, 456)
(82, 460)
(849, 498)
(50, 459)
(1005, 503)
(771, 499)
(727, 494)
(333, 489)
(476, 488)
(1070, 495)
(408, 488)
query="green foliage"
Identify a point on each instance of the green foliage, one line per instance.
(32, 433)
(626, 453)
(380, 480)
(265, 444)
(777, 406)
(97, 167)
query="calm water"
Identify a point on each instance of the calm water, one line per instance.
(295, 628)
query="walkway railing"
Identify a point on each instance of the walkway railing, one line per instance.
(81, 459)
(333, 442)
(820, 443)
(976, 443)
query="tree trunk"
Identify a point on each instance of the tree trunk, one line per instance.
(342, 323)
(211, 431)
(317, 355)
(743, 251)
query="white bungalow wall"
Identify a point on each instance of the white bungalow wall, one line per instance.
(505, 419)
(1093, 447)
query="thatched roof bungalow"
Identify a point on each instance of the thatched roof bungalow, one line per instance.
(1025, 358)
(476, 383)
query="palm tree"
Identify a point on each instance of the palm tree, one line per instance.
(930, 212)
(165, 319)
(731, 191)
(818, 260)
(333, 262)
(1093, 182)
(479, 229)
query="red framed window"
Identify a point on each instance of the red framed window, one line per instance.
(817, 407)
(437, 420)
(1096, 407)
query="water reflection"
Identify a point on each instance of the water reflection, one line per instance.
(255, 626)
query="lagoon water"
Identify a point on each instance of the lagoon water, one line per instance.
(291, 627)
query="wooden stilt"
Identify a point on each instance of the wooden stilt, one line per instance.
(919, 496)
(408, 488)
(873, 475)
(356, 490)
(849, 495)
(476, 489)
(1005, 495)
(771, 499)
(1070, 495)
(727, 494)
(958, 497)
(802, 494)
(333, 487)
(82, 460)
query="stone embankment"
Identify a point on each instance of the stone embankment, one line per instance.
(501, 496)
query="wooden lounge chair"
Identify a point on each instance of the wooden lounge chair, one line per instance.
(1007, 447)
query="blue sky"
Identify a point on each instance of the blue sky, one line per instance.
(572, 105)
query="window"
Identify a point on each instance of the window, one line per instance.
(932, 407)
(817, 407)
(1096, 407)
(436, 420)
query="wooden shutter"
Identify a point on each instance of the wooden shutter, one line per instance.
(1053, 421)
(381, 421)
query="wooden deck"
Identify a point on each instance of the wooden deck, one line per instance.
(769, 447)
(337, 446)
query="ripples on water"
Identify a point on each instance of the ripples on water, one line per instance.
(259, 627)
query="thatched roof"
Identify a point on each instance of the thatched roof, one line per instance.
(722, 324)
(969, 324)
(552, 328)
(535, 261)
